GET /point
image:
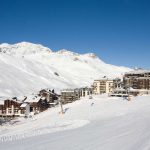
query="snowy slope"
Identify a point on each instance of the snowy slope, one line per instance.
(110, 124)
(27, 67)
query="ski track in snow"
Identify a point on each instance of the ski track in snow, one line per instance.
(57, 126)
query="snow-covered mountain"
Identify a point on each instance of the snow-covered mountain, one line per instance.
(27, 67)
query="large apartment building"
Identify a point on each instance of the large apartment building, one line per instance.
(70, 95)
(103, 86)
(137, 81)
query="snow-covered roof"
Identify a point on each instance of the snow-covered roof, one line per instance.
(43, 98)
(138, 90)
(68, 90)
(138, 71)
(119, 89)
(104, 79)
(143, 77)
(85, 88)
(21, 98)
(24, 105)
(32, 98)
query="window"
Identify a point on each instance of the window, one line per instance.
(16, 111)
(22, 111)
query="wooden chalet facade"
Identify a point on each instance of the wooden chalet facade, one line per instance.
(50, 96)
(29, 105)
(12, 108)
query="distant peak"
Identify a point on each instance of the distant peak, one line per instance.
(4, 45)
(64, 51)
(92, 55)
(28, 44)
(23, 48)
(25, 43)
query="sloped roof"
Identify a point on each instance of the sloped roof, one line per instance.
(24, 105)
(32, 98)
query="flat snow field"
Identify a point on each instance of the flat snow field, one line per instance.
(101, 123)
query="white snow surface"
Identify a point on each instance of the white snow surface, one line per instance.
(138, 71)
(27, 67)
(101, 123)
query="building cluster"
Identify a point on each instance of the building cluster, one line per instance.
(33, 104)
(70, 95)
(28, 105)
(134, 83)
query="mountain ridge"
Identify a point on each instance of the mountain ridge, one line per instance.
(27, 67)
(8, 48)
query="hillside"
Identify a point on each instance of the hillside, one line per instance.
(27, 67)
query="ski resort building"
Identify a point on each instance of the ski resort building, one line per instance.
(31, 105)
(103, 85)
(86, 91)
(121, 92)
(70, 95)
(11, 108)
(50, 96)
(28, 105)
(134, 83)
(138, 81)
(36, 104)
(118, 83)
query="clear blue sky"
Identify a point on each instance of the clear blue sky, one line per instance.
(118, 31)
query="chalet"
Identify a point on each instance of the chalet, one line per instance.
(50, 96)
(11, 108)
(70, 95)
(138, 80)
(27, 105)
(16, 108)
(103, 85)
(36, 104)
(25, 109)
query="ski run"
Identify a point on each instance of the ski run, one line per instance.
(101, 123)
